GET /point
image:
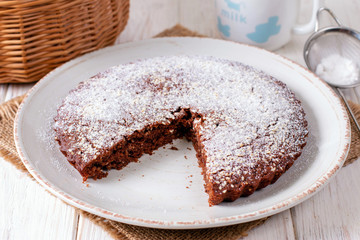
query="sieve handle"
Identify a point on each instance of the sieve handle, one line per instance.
(323, 9)
(310, 26)
(348, 108)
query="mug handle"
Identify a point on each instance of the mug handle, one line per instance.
(310, 26)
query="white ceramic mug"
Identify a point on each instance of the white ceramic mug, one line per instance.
(264, 23)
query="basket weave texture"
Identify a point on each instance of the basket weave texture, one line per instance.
(36, 36)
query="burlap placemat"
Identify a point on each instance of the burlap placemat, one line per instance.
(129, 232)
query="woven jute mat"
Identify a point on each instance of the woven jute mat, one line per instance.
(129, 232)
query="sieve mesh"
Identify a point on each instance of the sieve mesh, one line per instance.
(338, 41)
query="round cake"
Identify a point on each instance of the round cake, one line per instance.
(247, 127)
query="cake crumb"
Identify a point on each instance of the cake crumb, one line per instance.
(185, 157)
(174, 148)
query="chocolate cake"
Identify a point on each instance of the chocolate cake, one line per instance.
(247, 127)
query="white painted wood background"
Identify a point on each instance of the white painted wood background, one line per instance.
(27, 211)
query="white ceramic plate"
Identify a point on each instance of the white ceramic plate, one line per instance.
(165, 190)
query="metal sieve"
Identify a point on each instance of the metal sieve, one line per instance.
(327, 41)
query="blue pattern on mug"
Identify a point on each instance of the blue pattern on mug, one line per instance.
(233, 5)
(224, 29)
(233, 11)
(264, 31)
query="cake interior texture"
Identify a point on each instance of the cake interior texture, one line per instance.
(247, 127)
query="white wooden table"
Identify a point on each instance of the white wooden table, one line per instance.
(27, 211)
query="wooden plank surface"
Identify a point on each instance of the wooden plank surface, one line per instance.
(29, 212)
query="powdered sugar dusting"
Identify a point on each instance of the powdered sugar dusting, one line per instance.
(248, 117)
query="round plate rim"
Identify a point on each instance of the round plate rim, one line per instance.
(261, 213)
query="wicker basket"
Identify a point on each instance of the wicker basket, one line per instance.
(36, 36)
